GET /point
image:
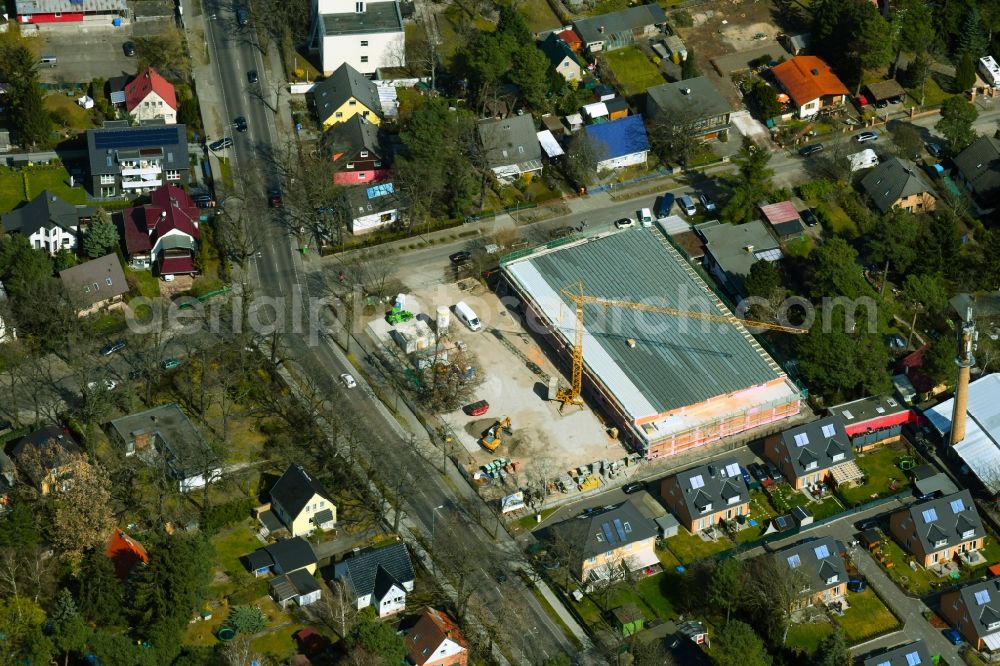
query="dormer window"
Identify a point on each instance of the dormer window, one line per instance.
(968, 534)
(832, 579)
(940, 543)
(811, 465)
(837, 457)
(734, 499)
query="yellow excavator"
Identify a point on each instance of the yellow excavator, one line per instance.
(493, 438)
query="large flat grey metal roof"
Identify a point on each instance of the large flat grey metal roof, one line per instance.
(676, 361)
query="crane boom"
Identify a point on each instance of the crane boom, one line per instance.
(572, 395)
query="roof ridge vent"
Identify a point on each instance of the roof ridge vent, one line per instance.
(815, 72)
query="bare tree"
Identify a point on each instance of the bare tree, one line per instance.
(242, 233)
(457, 563)
(240, 652)
(312, 204)
(337, 610)
(771, 593)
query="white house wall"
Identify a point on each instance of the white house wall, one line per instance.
(53, 239)
(153, 107)
(368, 223)
(623, 161)
(385, 49)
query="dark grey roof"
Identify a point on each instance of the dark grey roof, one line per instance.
(303, 582)
(616, 104)
(979, 164)
(324, 516)
(173, 435)
(820, 442)
(94, 281)
(935, 482)
(295, 488)
(511, 140)
(790, 228)
(607, 531)
(281, 588)
(900, 656)
(270, 521)
(354, 134)
(867, 409)
(670, 102)
(362, 568)
(108, 144)
(590, 29)
(728, 244)
(345, 82)
(676, 362)
(377, 17)
(945, 519)
(259, 559)
(556, 50)
(369, 199)
(982, 611)
(709, 488)
(894, 179)
(384, 581)
(819, 560)
(45, 210)
(287, 555)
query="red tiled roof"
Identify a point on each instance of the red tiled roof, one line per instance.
(171, 208)
(806, 78)
(177, 265)
(135, 230)
(780, 212)
(570, 37)
(428, 633)
(125, 552)
(145, 82)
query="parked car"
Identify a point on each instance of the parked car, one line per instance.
(240, 123)
(866, 136)
(882, 104)
(663, 204)
(646, 217)
(112, 347)
(687, 205)
(624, 223)
(633, 487)
(171, 363)
(856, 585)
(129, 49)
(348, 380)
(274, 198)
(221, 144)
(953, 636)
(242, 16)
(935, 149)
(477, 408)
(107, 384)
(460, 257)
(252, 76)
(757, 471)
(707, 202)
(811, 149)
(809, 217)
(746, 475)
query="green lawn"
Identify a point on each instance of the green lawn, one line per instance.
(539, 15)
(668, 560)
(226, 172)
(881, 470)
(828, 506)
(657, 591)
(689, 548)
(805, 638)
(918, 582)
(17, 187)
(800, 247)
(277, 644)
(233, 543)
(866, 617)
(148, 284)
(635, 72)
(67, 112)
(838, 222)
(528, 522)
(761, 511)
(607, 6)
(933, 94)
(784, 498)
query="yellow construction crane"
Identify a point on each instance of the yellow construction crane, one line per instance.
(581, 298)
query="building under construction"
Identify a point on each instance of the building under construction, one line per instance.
(670, 383)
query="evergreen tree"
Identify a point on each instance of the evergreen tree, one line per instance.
(737, 643)
(171, 587)
(32, 122)
(102, 236)
(69, 632)
(965, 73)
(763, 279)
(972, 40)
(530, 73)
(832, 651)
(726, 585)
(688, 69)
(101, 594)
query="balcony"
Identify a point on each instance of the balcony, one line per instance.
(148, 170)
(138, 184)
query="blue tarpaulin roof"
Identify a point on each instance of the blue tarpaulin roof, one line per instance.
(619, 137)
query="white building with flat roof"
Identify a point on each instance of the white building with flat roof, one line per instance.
(365, 35)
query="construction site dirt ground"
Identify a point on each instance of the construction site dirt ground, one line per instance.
(540, 434)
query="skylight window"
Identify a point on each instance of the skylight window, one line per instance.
(983, 597)
(913, 659)
(822, 552)
(930, 515)
(957, 505)
(849, 416)
(732, 469)
(801, 439)
(829, 430)
(697, 482)
(794, 561)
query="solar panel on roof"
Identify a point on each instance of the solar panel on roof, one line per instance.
(136, 138)
(607, 533)
(930, 515)
(848, 415)
(957, 505)
(822, 552)
(697, 482)
(620, 529)
(794, 561)
(802, 439)
(913, 659)
(732, 469)
(118, 97)
(829, 430)
(381, 190)
(982, 597)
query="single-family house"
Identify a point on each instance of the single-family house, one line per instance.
(435, 640)
(48, 222)
(619, 143)
(299, 503)
(813, 453)
(616, 30)
(571, 39)
(128, 161)
(562, 57)
(908, 654)
(125, 553)
(511, 146)
(45, 458)
(164, 436)
(378, 577)
(163, 234)
(820, 565)
(149, 96)
(373, 207)
(357, 151)
(283, 557)
(874, 421)
(897, 183)
(979, 170)
(365, 35)
(730, 250)
(605, 541)
(784, 219)
(810, 83)
(974, 610)
(299, 586)
(345, 94)
(939, 530)
(96, 12)
(704, 496)
(693, 106)
(95, 284)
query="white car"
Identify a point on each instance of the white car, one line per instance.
(687, 204)
(348, 380)
(707, 202)
(624, 223)
(107, 384)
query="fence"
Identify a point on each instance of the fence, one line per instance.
(660, 172)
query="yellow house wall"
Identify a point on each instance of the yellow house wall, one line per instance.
(348, 111)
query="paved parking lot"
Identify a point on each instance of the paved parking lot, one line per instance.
(85, 52)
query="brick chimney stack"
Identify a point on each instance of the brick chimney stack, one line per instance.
(967, 337)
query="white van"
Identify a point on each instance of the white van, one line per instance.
(465, 313)
(646, 217)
